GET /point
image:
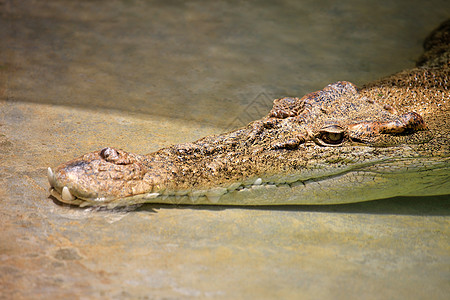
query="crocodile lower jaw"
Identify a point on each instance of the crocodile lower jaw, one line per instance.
(210, 196)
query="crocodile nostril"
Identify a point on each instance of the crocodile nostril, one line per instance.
(109, 154)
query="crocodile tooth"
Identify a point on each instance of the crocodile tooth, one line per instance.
(193, 197)
(51, 177)
(213, 199)
(66, 195)
(195, 194)
(215, 193)
(258, 181)
(151, 195)
(84, 204)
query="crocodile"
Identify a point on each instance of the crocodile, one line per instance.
(337, 145)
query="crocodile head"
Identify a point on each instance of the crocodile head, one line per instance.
(332, 146)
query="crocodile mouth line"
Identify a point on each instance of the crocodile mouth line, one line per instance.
(210, 196)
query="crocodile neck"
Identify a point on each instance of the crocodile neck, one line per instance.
(425, 90)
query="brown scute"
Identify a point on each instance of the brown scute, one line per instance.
(286, 107)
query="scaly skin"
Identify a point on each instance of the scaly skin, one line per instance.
(337, 145)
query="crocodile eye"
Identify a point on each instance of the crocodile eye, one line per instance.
(331, 135)
(333, 138)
